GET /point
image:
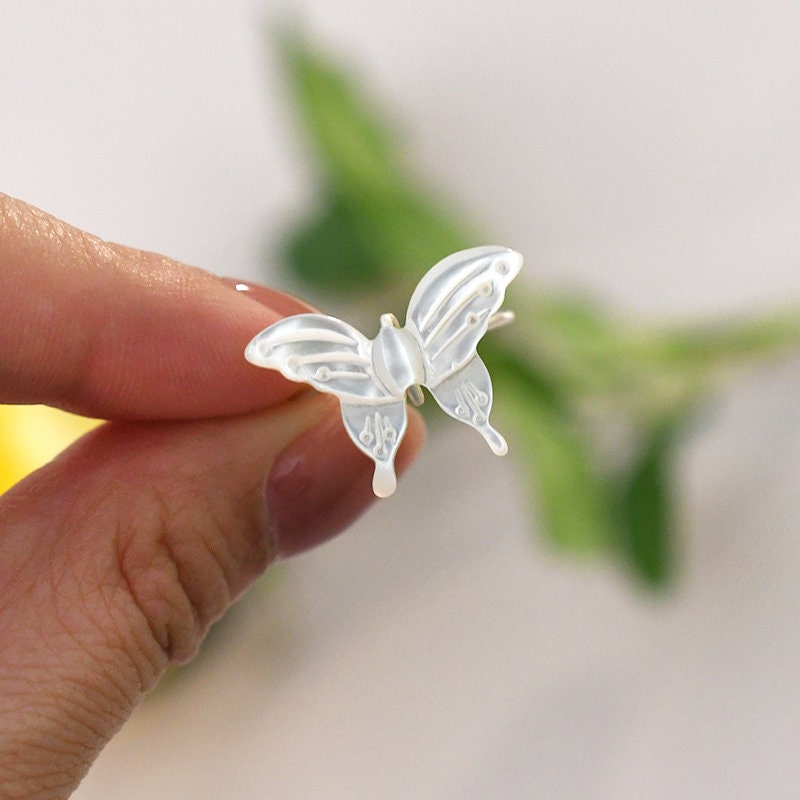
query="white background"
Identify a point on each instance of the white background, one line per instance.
(648, 151)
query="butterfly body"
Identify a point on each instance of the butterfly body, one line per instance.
(397, 357)
(448, 313)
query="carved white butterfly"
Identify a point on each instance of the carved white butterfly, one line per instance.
(448, 313)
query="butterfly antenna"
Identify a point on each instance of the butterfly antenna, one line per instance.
(500, 320)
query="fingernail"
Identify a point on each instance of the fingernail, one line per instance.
(317, 486)
(281, 302)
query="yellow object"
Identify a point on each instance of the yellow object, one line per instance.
(30, 436)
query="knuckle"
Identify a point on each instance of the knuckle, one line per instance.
(183, 563)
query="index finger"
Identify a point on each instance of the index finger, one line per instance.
(113, 332)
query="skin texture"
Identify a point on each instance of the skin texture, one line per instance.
(117, 556)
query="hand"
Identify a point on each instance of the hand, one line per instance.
(116, 557)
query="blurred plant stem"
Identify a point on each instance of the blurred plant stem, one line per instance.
(594, 405)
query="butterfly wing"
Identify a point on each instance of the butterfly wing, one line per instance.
(466, 395)
(335, 358)
(450, 308)
(327, 353)
(377, 430)
(448, 314)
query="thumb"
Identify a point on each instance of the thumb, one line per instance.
(116, 557)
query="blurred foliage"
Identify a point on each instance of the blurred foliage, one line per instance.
(593, 404)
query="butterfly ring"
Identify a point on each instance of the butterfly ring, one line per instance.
(451, 309)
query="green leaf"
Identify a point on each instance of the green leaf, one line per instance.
(573, 338)
(353, 247)
(329, 253)
(646, 505)
(571, 497)
(354, 146)
(376, 226)
(722, 344)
